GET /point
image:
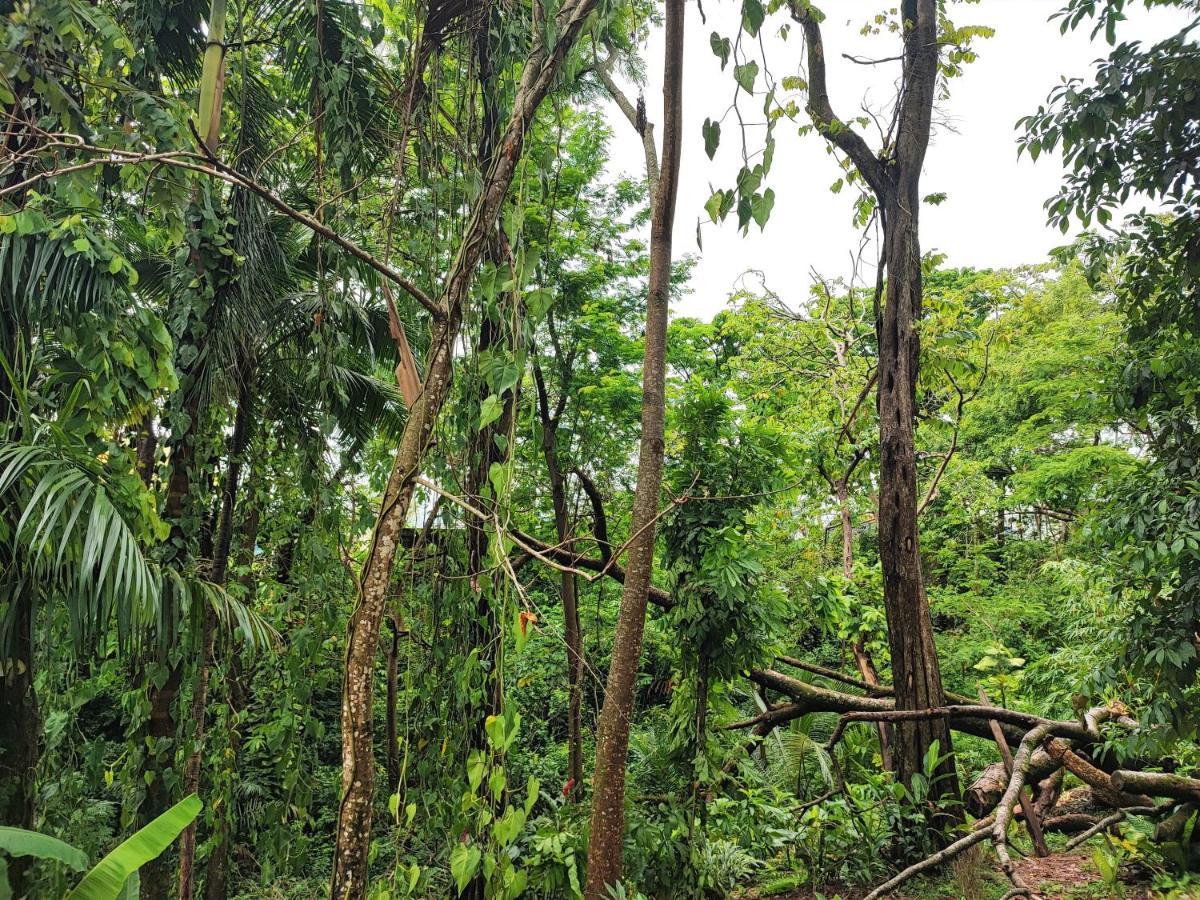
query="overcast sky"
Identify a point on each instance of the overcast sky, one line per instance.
(993, 213)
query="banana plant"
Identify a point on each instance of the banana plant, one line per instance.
(115, 877)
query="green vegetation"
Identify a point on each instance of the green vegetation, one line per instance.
(369, 530)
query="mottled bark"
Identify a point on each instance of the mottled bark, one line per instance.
(349, 881)
(612, 739)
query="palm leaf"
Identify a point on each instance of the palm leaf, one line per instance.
(72, 539)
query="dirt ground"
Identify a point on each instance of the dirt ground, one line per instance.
(1063, 876)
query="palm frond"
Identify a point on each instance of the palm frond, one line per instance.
(70, 540)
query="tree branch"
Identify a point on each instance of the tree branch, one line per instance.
(820, 109)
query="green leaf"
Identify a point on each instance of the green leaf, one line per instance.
(715, 206)
(753, 15)
(721, 47)
(712, 136)
(761, 206)
(464, 861)
(489, 411)
(745, 75)
(108, 878)
(19, 842)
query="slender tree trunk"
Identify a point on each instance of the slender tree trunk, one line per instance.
(393, 738)
(216, 881)
(612, 740)
(220, 567)
(572, 630)
(20, 728)
(349, 881)
(178, 510)
(568, 593)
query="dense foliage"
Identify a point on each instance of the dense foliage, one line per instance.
(230, 241)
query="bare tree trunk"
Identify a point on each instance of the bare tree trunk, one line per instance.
(895, 181)
(612, 739)
(179, 510)
(572, 630)
(349, 881)
(393, 740)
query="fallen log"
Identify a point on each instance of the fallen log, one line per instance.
(1103, 787)
(967, 718)
(1171, 829)
(1157, 784)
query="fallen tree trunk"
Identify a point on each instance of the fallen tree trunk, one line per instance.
(1157, 784)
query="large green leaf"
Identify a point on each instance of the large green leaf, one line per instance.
(19, 842)
(107, 880)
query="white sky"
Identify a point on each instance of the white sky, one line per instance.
(993, 214)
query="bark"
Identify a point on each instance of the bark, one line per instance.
(393, 744)
(20, 728)
(349, 881)
(612, 740)
(896, 184)
(147, 448)
(179, 510)
(1173, 827)
(1157, 784)
(220, 568)
(1032, 820)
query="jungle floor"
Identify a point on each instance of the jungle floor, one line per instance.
(1061, 876)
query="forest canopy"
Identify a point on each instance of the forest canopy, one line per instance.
(373, 524)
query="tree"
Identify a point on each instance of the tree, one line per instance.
(612, 740)
(354, 816)
(893, 177)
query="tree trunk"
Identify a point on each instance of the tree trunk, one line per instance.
(349, 881)
(393, 738)
(916, 673)
(612, 740)
(220, 567)
(20, 727)
(572, 631)
(216, 881)
(147, 448)
(895, 181)
(179, 511)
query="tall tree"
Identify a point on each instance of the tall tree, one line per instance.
(358, 764)
(612, 740)
(894, 178)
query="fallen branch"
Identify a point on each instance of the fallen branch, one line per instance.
(1157, 784)
(945, 855)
